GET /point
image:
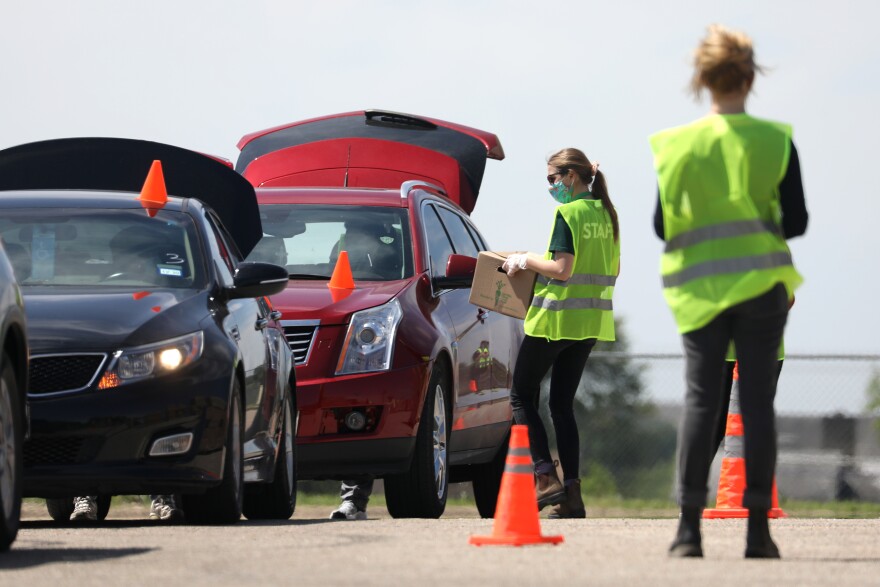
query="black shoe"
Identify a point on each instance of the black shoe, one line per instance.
(686, 550)
(763, 551)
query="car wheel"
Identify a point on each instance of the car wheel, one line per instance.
(487, 481)
(277, 500)
(421, 492)
(11, 438)
(222, 504)
(60, 508)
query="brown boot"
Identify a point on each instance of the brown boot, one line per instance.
(549, 489)
(573, 506)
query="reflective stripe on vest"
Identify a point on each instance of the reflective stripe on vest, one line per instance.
(732, 265)
(580, 279)
(717, 231)
(571, 304)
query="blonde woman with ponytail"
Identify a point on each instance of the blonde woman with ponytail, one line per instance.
(570, 311)
(730, 193)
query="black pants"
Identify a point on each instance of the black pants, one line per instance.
(721, 426)
(756, 328)
(567, 358)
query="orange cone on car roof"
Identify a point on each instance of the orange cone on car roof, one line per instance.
(153, 194)
(516, 514)
(732, 481)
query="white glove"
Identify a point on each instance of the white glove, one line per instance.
(514, 263)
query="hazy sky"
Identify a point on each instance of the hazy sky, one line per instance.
(600, 76)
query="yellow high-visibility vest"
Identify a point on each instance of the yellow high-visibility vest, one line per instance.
(580, 307)
(719, 191)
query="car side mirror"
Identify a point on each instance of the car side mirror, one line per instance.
(253, 280)
(459, 273)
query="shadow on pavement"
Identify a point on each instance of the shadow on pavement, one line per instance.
(24, 557)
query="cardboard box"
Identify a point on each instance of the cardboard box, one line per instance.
(494, 290)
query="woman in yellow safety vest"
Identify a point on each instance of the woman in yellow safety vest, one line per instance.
(730, 193)
(571, 310)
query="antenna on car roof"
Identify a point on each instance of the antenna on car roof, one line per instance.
(347, 165)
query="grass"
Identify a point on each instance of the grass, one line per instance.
(618, 507)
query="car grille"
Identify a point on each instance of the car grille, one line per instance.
(55, 451)
(63, 373)
(299, 335)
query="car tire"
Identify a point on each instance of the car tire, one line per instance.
(222, 504)
(60, 508)
(487, 481)
(11, 439)
(421, 492)
(277, 500)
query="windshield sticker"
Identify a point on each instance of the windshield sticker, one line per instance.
(43, 253)
(170, 270)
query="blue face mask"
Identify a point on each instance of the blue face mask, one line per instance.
(560, 192)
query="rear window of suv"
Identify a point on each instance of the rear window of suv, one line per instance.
(307, 239)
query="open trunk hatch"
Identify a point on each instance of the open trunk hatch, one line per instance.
(370, 148)
(119, 164)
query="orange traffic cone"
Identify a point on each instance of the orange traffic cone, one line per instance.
(341, 282)
(516, 514)
(153, 194)
(341, 277)
(732, 480)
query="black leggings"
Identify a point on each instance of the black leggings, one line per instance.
(756, 327)
(567, 358)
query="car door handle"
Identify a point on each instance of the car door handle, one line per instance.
(261, 323)
(235, 333)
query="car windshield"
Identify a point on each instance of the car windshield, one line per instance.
(307, 239)
(87, 247)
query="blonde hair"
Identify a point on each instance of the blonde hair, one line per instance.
(575, 160)
(723, 61)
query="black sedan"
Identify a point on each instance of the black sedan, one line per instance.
(13, 410)
(157, 364)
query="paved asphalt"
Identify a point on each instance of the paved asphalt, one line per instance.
(310, 550)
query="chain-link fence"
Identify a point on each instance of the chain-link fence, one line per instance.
(828, 419)
(629, 405)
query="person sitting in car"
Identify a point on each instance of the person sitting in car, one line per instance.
(373, 249)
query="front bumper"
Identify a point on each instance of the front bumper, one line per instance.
(326, 450)
(97, 441)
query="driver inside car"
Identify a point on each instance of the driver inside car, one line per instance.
(373, 249)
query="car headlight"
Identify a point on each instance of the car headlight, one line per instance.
(152, 360)
(370, 339)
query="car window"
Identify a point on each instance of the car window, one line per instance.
(439, 245)
(478, 238)
(461, 239)
(74, 247)
(220, 249)
(307, 239)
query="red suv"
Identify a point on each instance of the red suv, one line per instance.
(399, 376)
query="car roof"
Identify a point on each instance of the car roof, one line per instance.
(98, 199)
(121, 165)
(371, 148)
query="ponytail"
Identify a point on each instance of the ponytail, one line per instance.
(600, 189)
